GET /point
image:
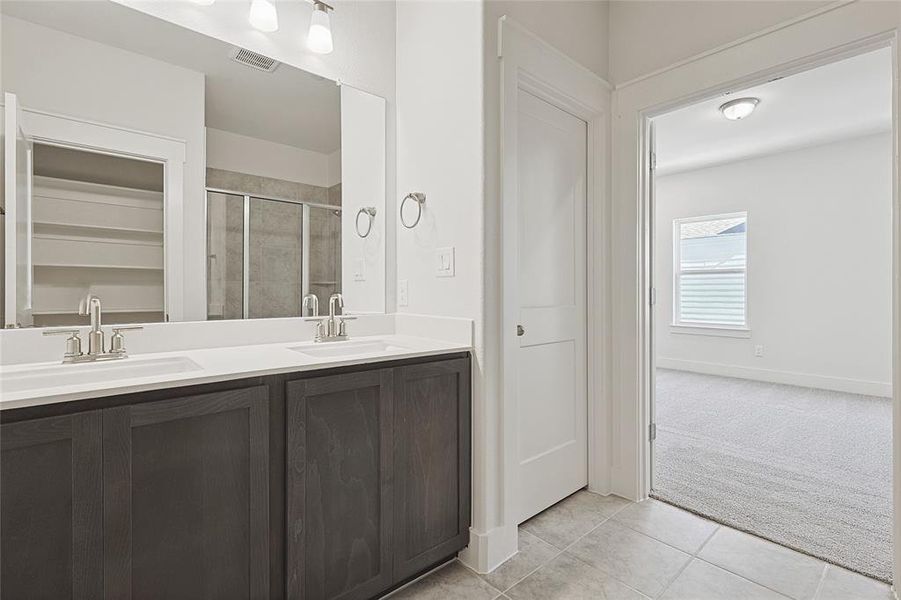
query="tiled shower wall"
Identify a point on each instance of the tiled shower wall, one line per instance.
(276, 246)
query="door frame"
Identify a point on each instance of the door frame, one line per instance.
(82, 134)
(836, 31)
(527, 62)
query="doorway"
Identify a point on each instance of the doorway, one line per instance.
(771, 261)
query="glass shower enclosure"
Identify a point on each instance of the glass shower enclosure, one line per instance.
(265, 254)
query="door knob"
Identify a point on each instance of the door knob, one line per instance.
(520, 331)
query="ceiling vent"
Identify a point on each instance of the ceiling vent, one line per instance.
(254, 60)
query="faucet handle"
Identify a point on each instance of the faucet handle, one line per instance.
(117, 340)
(73, 342)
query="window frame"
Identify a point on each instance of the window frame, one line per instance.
(700, 328)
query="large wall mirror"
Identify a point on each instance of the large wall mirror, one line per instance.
(178, 177)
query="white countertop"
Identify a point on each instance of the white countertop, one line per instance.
(214, 364)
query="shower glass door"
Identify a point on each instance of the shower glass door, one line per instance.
(225, 256)
(264, 255)
(275, 259)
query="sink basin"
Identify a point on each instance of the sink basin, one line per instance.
(348, 348)
(87, 373)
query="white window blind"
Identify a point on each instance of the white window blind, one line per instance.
(710, 282)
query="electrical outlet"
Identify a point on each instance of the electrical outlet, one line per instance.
(403, 293)
(758, 350)
(359, 270)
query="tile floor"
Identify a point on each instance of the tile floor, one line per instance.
(605, 548)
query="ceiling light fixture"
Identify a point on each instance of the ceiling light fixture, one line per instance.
(319, 38)
(203, 2)
(263, 16)
(739, 108)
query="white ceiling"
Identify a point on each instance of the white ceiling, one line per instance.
(288, 106)
(849, 98)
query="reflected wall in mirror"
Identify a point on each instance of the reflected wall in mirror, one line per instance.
(178, 177)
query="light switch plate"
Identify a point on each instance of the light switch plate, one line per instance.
(359, 270)
(403, 293)
(444, 258)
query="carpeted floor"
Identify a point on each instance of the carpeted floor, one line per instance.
(810, 469)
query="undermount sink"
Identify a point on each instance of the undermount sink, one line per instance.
(99, 372)
(348, 348)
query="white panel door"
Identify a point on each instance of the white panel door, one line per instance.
(551, 376)
(17, 152)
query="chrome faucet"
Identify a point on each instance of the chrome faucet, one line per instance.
(335, 329)
(90, 304)
(310, 301)
(335, 299)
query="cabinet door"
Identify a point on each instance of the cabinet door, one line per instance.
(338, 486)
(432, 464)
(50, 503)
(186, 497)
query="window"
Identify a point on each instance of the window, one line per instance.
(710, 271)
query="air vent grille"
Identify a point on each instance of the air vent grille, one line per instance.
(253, 59)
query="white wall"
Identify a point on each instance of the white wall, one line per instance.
(819, 278)
(649, 35)
(820, 265)
(363, 258)
(439, 141)
(73, 76)
(243, 154)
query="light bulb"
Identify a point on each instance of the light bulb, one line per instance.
(263, 16)
(739, 108)
(319, 38)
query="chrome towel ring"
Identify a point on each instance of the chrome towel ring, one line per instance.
(369, 211)
(419, 199)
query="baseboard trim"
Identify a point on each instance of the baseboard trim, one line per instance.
(488, 550)
(823, 382)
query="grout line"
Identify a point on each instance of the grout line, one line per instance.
(757, 583)
(820, 583)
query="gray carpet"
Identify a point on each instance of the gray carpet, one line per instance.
(809, 469)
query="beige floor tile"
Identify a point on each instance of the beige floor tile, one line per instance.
(791, 573)
(669, 524)
(533, 552)
(703, 581)
(641, 562)
(453, 582)
(573, 517)
(567, 578)
(841, 584)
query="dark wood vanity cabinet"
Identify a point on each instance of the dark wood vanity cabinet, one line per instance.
(431, 463)
(315, 486)
(186, 497)
(51, 494)
(338, 485)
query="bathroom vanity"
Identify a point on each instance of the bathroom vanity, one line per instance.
(313, 482)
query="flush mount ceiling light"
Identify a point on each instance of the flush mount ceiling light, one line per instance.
(263, 16)
(739, 108)
(319, 38)
(203, 2)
